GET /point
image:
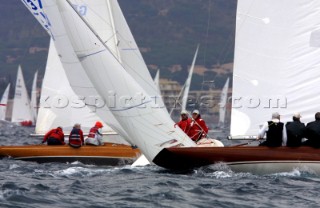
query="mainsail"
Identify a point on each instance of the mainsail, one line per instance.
(138, 112)
(277, 65)
(4, 102)
(21, 110)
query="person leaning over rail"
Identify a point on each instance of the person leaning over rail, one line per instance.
(313, 132)
(76, 136)
(295, 131)
(185, 122)
(198, 127)
(95, 137)
(54, 137)
(275, 131)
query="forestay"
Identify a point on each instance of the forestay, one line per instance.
(277, 65)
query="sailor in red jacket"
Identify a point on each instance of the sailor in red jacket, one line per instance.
(198, 127)
(76, 136)
(95, 136)
(54, 137)
(185, 122)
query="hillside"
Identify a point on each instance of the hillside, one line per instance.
(166, 31)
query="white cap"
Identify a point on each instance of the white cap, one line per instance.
(196, 112)
(184, 112)
(297, 115)
(275, 115)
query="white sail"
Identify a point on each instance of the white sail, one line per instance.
(188, 82)
(107, 20)
(4, 102)
(223, 103)
(277, 65)
(21, 110)
(77, 77)
(56, 87)
(157, 81)
(34, 105)
(149, 127)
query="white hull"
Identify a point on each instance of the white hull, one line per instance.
(269, 167)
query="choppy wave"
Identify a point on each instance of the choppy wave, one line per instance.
(29, 184)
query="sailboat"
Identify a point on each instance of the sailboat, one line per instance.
(223, 104)
(34, 94)
(21, 110)
(186, 87)
(157, 80)
(149, 126)
(51, 115)
(188, 82)
(4, 102)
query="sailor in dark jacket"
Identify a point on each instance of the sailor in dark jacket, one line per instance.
(295, 131)
(276, 132)
(313, 132)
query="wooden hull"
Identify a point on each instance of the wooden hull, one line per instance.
(109, 154)
(258, 160)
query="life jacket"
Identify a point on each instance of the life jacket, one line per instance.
(274, 134)
(56, 134)
(198, 129)
(185, 125)
(75, 138)
(93, 131)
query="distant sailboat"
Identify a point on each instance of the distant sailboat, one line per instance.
(157, 80)
(34, 96)
(188, 81)
(4, 102)
(223, 104)
(186, 87)
(21, 110)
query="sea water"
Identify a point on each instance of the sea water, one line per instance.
(29, 184)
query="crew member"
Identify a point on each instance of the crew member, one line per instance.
(313, 132)
(95, 136)
(185, 122)
(276, 132)
(54, 137)
(76, 136)
(295, 131)
(198, 127)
